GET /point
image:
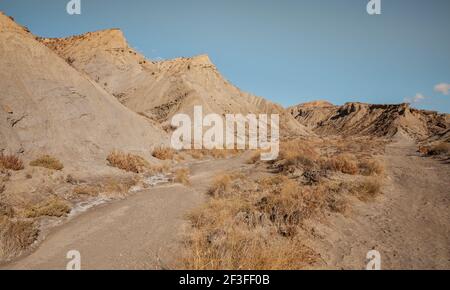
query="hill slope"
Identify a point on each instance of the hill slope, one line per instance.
(161, 89)
(46, 106)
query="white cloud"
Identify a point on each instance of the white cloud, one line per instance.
(414, 100)
(442, 88)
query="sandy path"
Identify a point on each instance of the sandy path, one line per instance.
(141, 232)
(409, 225)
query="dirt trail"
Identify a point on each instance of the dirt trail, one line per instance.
(143, 231)
(409, 225)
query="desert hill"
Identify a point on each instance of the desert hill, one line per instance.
(372, 120)
(48, 107)
(161, 89)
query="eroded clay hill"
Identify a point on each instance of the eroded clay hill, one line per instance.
(48, 107)
(373, 120)
(161, 89)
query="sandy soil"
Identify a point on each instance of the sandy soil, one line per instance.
(409, 225)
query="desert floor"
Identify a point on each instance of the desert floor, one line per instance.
(408, 224)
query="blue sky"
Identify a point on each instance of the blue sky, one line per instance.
(287, 51)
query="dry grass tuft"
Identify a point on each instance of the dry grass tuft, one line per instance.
(182, 176)
(220, 185)
(243, 248)
(196, 154)
(367, 189)
(214, 153)
(48, 162)
(218, 153)
(251, 227)
(436, 149)
(109, 185)
(255, 157)
(292, 206)
(295, 154)
(6, 210)
(127, 162)
(297, 150)
(345, 163)
(267, 183)
(11, 162)
(15, 236)
(53, 207)
(114, 185)
(159, 168)
(164, 153)
(87, 190)
(371, 167)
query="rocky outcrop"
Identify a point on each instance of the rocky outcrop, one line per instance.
(370, 119)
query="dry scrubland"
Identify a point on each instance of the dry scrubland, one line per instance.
(253, 220)
(41, 191)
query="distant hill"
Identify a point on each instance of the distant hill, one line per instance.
(372, 120)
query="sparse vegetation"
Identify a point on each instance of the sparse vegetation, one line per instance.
(6, 210)
(10, 161)
(164, 153)
(70, 60)
(108, 185)
(114, 185)
(159, 168)
(127, 162)
(48, 162)
(294, 154)
(291, 206)
(345, 163)
(87, 190)
(53, 207)
(196, 154)
(244, 248)
(295, 151)
(367, 189)
(258, 222)
(255, 157)
(252, 225)
(220, 185)
(214, 153)
(15, 236)
(436, 149)
(182, 176)
(370, 167)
